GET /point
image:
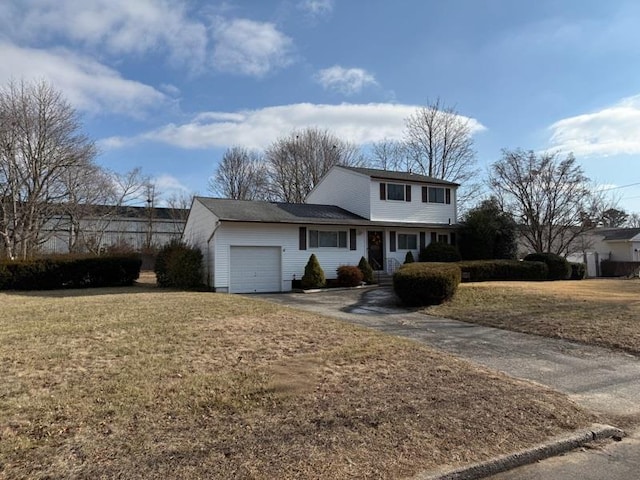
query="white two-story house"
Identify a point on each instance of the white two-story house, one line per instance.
(258, 246)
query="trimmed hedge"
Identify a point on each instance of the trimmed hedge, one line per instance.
(420, 284)
(70, 272)
(367, 271)
(313, 274)
(559, 268)
(578, 271)
(487, 270)
(349, 276)
(439, 252)
(178, 265)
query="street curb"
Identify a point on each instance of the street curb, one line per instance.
(553, 447)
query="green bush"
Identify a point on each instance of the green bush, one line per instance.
(349, 276)
(419, 284)
(408, 258)
(439, 252)
(578, 271)
(559, 268)
(367, 271)
(487, 270)
(179, 266)
(313, 274)
(488, 233)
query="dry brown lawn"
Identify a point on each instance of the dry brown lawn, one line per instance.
(602, 312)
(144, 383)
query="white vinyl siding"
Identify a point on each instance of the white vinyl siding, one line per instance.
(344, 188)
(286, 237)
(414, 211)
(255, 269)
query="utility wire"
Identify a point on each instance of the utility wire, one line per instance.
(621, 186)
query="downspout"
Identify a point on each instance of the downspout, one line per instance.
(209, 252)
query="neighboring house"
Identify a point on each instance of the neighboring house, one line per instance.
(137, 228)
(257, 246)
(615, 244)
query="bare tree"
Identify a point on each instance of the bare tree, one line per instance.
(297, 162)
(241, 175)
(634, 220)
(40, 140)
(391, 155)
(614, 218)
(549, 196)
(440, 144)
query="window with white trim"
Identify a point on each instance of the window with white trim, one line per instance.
(327, 239)
(395, 191)
(407, 241)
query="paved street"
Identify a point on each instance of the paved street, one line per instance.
(601, 380)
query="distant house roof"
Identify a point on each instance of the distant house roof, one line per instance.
(299, 213)
(613, 234)
(125, 211)
(402, 176)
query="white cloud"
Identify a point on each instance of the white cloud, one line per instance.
(345, 80)
(85, 83)
(358, 123)
(611, 131)
(316, 8)
(116, 26)
(250, 48)
(166, 182)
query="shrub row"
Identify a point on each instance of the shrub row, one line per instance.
(420, 284)
(70, 272)
(486, 270)
(439, 252)
(578, 271)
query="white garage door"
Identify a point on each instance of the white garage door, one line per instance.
(255, 269)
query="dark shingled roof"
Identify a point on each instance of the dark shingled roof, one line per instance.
(303, 213)
(402, 176)
(619, 233)
(276, 212)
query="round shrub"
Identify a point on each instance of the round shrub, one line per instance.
(409, 257)
(439, 252)
(349, 276)
(367, 271)
(313, 274)
(418, 284)
(178, 265)
(559, 268)
(578, 271)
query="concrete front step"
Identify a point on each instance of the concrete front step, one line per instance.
(383, 279)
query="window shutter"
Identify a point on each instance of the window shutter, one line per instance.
(452, 238)
(434, 237)
(448, 195)
(424, 194)
(352, 239)
(423, 240)
(392, 241)
(407, 191)
(383, 191)
(302, 232)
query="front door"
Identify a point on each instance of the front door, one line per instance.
(375, 248)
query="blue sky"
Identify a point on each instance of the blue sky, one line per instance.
(168, 85)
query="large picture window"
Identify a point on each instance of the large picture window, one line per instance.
(327, 239)
(407, 241)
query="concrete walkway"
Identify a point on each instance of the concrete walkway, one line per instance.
(604, 381)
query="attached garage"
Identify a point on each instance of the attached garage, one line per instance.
(255, 269)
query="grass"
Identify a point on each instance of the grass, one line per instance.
(603, 312)
(143, 383)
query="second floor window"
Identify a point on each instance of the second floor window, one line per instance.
(395, 191)
(436, 195)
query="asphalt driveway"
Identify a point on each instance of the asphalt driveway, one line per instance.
(601, 380)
